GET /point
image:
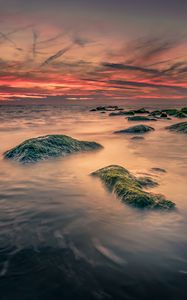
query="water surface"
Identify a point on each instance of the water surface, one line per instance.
(64, 236)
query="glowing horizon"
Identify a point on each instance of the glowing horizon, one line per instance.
(86, 50)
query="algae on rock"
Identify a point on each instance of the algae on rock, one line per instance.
(45, 147)
(130, 189)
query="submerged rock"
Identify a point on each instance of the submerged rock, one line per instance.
(121, 113)
(130, 189)
(141, 118)
(179, 127)
(140, 129)
(137, 138)
(45, 147)
(159, 170)
(141, 111)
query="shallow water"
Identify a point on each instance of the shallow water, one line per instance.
(64, 236)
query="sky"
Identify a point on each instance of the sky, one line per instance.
(82, 49)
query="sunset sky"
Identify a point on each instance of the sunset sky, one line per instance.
(82, 49)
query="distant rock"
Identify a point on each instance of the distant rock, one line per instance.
(179, 127)
(181, 115)
(45, 147)
(171, 111)
(141, 118)
(137, 138)
(163, 115)
(141, 111)
(140, 129)
(184, 110)
(121, 113)
(159, 170)
(130, 189)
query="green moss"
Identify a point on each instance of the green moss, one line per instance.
(179, 127)
(42, 148)
(130, 189)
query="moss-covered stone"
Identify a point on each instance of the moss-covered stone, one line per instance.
(140, 129)
(141, 118)
(179, 127)
(184, 109)
(130, 189)
(181, 115)
(45, 147)
(121, 113)
(141, 111)
(170, 112)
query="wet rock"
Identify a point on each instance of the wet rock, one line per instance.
(159, 170)
(141, 111)
(184, 110)
(121, 113)
(163, 115)
(141, 118)
(45, 147)
(137, 138)
(179, 127)
(130, 189)
(155, 113)
(140, 129)
(181, 115)
(170, 112)
(147, 182)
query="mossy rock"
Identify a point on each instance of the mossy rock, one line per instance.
(141, 111)
(141, 118)
(121, 113)
(130, 189)
(179, 127)
(155, 113)
(184, 109)
(45, 147)
(181, 115)
(138, 129)
(170, 112)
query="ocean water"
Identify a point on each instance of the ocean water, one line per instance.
(64, 236)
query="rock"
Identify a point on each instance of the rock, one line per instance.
(141, 111)
(147, 182)
(137, 138)
(181, 115)
(159, 170)
(179, 127)
(170, 112)
(163, 115)
(130, 189)
(140, 129)
(93, 109)
(100, 108)
(184, 110)
(121, 113)
(141, 118)
(155, 113)
(45, 147)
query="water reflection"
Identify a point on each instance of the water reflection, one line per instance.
(64, 236)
